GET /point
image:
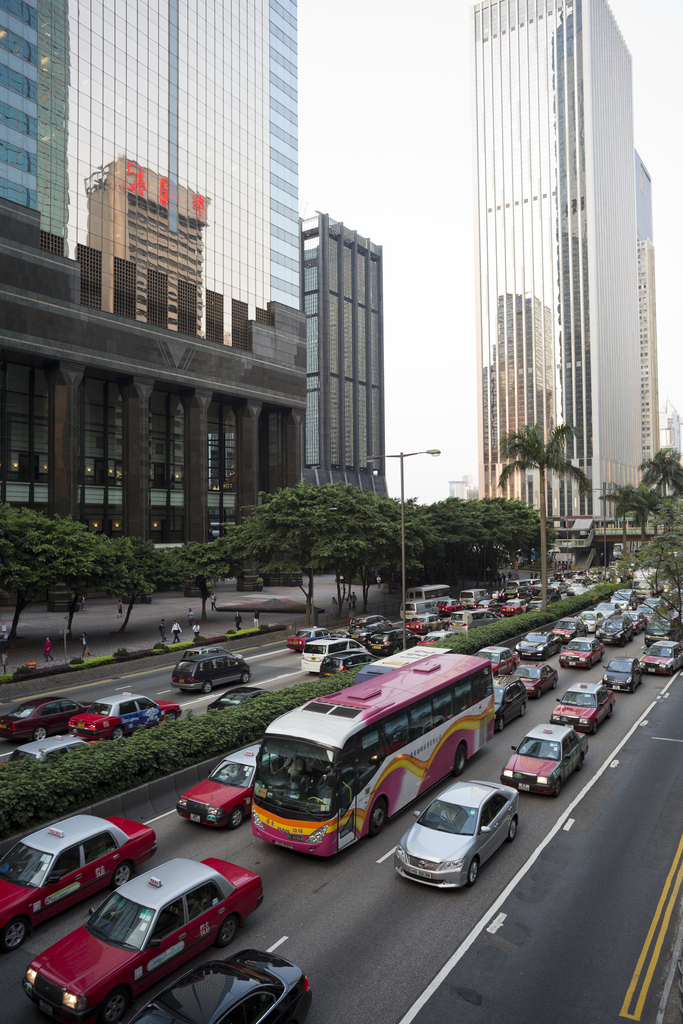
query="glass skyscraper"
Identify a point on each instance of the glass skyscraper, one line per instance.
(556, 282)
(647, 313)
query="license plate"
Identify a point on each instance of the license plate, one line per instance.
(195, 817)
(45, 1007)
(524, 786)
(80, 725)
(278, 842)
(651, 668)
(2, 725)
(421, 874)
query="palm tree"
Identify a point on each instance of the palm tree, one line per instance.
(625, 501)
(527, 449)
(646, 501)
(664, 471)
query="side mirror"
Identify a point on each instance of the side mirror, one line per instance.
(417, 813)
(153, 943)
(513, 747)
(91, 911)
(55, 877)
(484, 829)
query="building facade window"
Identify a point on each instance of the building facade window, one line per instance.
(24, 436)
(221, 440)
(167, 456)
(100, 448)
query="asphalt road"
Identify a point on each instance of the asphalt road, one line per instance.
(371, 942)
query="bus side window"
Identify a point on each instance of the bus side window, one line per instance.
(421, 719)
(482, 685)
(370, 754)
(396, 731)
(462, 696)
(443, 707)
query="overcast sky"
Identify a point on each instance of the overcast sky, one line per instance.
(385, 146)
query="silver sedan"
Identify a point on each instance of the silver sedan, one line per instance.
(456, 833)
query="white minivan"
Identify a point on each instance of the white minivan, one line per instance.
(470, 598)
(415, 608)
(317, 650)
(463, 622)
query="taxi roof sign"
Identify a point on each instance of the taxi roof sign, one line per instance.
(56, 832)
(126, 693)
(155, 881)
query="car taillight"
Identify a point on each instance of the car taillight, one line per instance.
(13, 728)
(307, 984)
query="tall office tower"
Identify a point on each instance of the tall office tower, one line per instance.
(669, 427)
(556, 295)
(342, 297)
(152, 345)
(460, 488)
(647, 314)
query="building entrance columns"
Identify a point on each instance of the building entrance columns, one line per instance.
(136, 392)
(196, 469)
(292, 441)
(247, 416)
(63, 381)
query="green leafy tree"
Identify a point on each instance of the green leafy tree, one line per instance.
(664, 471)
(646, 502)
(527, 449)
(136, 567)
(661, 560)
(624, 501)
(202, 563)
(87, 568)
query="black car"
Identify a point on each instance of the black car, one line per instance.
(250, 986)
(661, 627)
(617, 629)
(334, 663)
(539, 645)
(509, 701)
(361, 630)
(389, 641)
(233, 698)
(623, 674)
(206, 667)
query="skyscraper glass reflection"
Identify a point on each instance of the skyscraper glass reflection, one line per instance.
(556, 295)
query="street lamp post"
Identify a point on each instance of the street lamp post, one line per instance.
(402, 456)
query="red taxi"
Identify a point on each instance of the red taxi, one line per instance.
(434, 637)
(503, 660)
(423, 624)
(143, 931)
(544, 759)
(664, 658)
(120, 715)
(515, 607)
(225, 797)
(582, 653)
(584, 706)
(56, 867)
(448, 606)
(569, 629)
(303, 636)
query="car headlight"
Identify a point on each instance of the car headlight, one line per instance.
(542, 780)
(583, 721)
(452, 865)
(630, 679)
(31, 976)
(255, 818)
(74, 1002)
(214, 810)
(318, 835)
(507, 773)
(401, 852)
(182, 802)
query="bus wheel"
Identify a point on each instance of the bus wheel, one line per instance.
(378, 816)
(460, 760)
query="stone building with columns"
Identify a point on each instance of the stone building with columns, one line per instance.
(128, 427)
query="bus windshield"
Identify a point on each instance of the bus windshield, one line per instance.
(296, 775)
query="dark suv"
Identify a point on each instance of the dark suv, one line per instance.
(334, 663)
(617, 629)
(389, 641)
(202, 669)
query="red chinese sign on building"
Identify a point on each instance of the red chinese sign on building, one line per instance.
(198, 205)
(135, 178)
(163, 191)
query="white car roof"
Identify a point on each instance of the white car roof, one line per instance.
(469, 794)
(73, 830)
(584, 688)
(117, 698)
(247, 755)
(176, 877)
(494, 650)
(548, 732)
(50, 743)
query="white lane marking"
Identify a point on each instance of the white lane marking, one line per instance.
(207, 696)
(644, 723)
(495, 925)
(278, 943)
(614, 763)
(667, 739)
(159, 692)
(160, 816)
(392, 850)
(568, 824)
(285, 676)
(464, 946)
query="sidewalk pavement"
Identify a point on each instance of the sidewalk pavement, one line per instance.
(100, 619)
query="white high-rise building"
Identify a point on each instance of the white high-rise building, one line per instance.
(647, 313)
(669, 427)
(461, 488)
(556, 264)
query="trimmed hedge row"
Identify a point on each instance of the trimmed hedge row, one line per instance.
(488, 636)
(32, 792)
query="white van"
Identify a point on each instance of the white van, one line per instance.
(463, 622)
(318, 649)
(428, 593)
(470, 598)
(415, 608)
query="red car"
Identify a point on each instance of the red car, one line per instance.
(38, 717)
(503, 660)
(143, 931)
(569, 629)
(120, 715)
(304, 636)
(537, 678)
(515, 607)
(663, 658)
(225, 797)
(424, 624)
(584, 706)
(448, 606)
(582, 653)
(56, 867)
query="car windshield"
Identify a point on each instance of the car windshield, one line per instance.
(589, 616)
(332, 663)
(535, 638)
(498, 694)
(231, 774)
(120, 922)
(304, 632)
(182, 666)
(446, 817)
(315, 649)
(21, 755)
(297, 775)
(579, 699)
(487, 655)
(660, 651)
(623, 595)
(234, 697)
(528, 672)
(100, 708)
(578, 645)
(25, 866)
(612, 625)
(566, 624)
(547, 750)
(620, 665)
(21, 711)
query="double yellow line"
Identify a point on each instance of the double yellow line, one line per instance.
(660, 924)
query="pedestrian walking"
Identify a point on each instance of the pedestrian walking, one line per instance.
(82, 602)
(379, 581)
(190, 617)
(176, 630)
(48, 648)
(238, 621)
(162, 630)
(334, 605)
(213, 602)
(120, 607)
(196, 629)
(84, 645)
(256, 617)
(353, 601)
